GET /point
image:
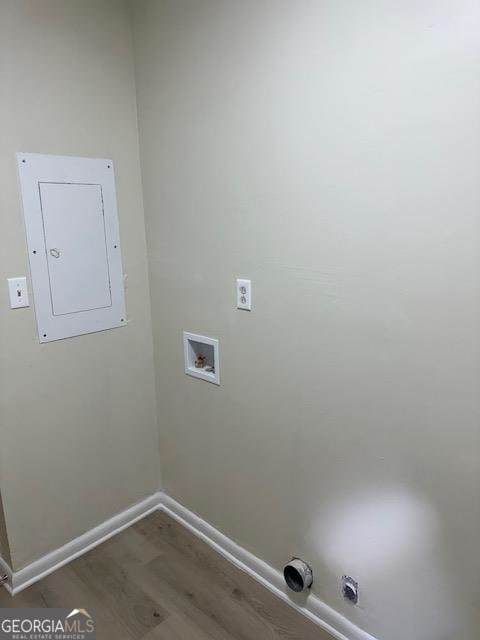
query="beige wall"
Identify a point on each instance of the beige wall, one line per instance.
(78, 420)
(329, 151)
(4, 544)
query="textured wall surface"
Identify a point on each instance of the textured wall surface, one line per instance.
(329, 151)
(79, 440)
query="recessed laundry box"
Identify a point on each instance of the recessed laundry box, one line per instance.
(73, 241)
(202, 357)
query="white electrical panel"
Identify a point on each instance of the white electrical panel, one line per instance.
(73, 242)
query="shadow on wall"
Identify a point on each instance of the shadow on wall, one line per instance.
(389, 540)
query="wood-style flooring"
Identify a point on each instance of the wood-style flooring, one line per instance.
(157, 581)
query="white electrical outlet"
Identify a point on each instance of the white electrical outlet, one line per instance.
(244, 294)
(17, 288)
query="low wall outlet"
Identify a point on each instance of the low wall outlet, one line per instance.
(17, 288)
(244, 294)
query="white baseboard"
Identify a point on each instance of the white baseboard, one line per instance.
(311, 607)
(41, 568)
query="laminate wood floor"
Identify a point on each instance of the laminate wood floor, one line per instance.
(157, 581)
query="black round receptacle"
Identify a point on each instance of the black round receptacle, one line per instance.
(293, 578)
(350, 589)
(349, 593)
